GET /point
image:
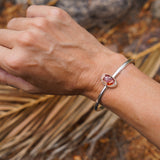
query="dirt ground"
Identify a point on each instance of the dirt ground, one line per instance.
(122, 143)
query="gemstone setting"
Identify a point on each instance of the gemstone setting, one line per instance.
(108, 81)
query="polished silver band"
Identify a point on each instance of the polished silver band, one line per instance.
(97, 105)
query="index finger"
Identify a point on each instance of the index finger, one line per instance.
(8, 37)
(42, 11)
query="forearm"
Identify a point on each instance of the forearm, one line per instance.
(136, 99)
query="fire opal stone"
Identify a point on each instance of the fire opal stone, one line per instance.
(109, 81)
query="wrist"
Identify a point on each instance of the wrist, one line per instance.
(105, 63)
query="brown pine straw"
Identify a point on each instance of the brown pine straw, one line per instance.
(53, 2)
(146, 52)
(27, 105)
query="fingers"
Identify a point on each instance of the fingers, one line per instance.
(22, 24)
(18, 24)
(38, 16)
(8, 79)
(39, 11)
(8, 38)
(45, 11)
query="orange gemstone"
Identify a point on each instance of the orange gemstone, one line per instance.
(109, 81)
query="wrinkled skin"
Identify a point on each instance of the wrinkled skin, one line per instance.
(48, 52)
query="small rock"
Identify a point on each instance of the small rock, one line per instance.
(155, 9)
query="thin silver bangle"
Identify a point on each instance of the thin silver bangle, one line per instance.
(97, 105)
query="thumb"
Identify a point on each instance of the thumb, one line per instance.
(17, 82)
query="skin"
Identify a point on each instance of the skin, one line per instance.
(48, 52)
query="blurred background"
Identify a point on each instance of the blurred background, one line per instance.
(40, 127)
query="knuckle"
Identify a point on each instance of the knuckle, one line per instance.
(26, 38)
(14, 62)
(12, 21)
(58, 13)
(41, 23)
(29, 10)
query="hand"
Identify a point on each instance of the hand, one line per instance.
(48, 52)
